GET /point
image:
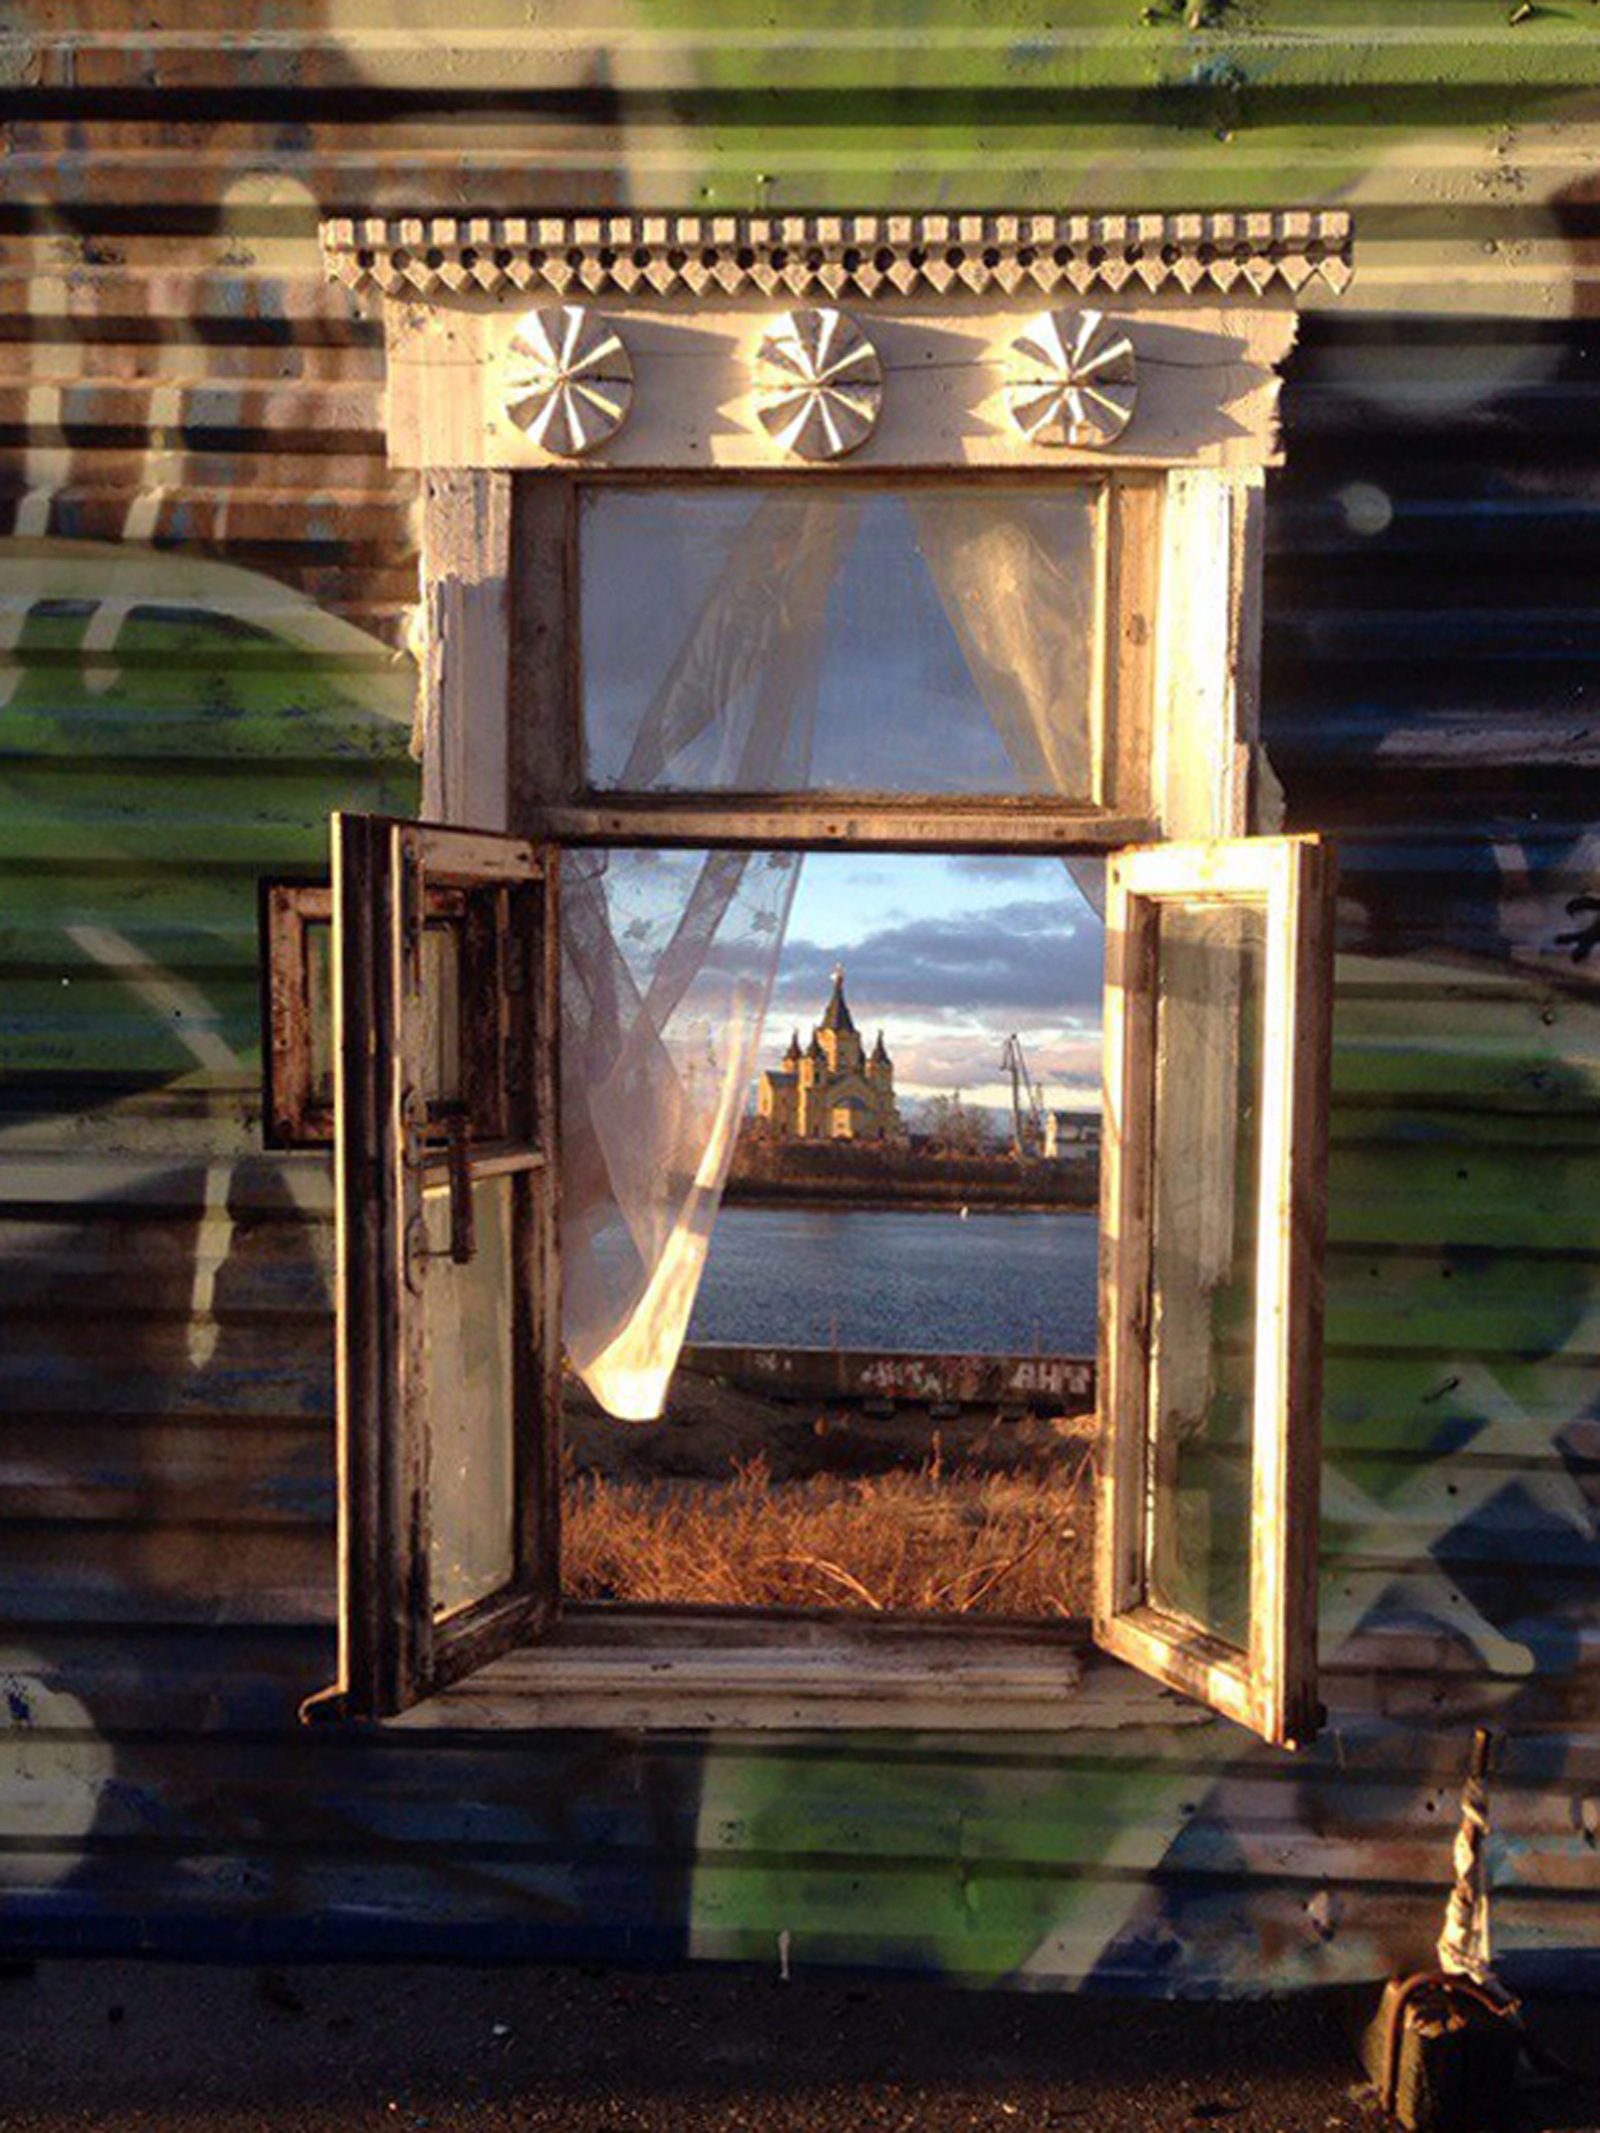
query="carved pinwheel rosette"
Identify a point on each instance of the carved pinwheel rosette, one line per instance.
(568, 379)
(1074, 380)
(819, 384)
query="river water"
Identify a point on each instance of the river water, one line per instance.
(865, 1278)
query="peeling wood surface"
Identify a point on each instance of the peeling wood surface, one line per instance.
(466, 658)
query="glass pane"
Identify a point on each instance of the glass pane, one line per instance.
(1208, 1074)
(467, 1320)
(441, 1009)
(943, 641)
(441, 1012)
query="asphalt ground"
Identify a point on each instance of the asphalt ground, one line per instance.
(192, 2048)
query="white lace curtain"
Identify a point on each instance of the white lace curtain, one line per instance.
(739, 622)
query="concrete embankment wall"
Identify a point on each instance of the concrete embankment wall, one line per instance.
(828, 1174)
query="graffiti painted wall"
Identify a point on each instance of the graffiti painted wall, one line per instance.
(205, 578)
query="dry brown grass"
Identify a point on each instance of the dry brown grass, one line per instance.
(923, 1541)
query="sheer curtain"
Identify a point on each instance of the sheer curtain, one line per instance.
(1019, 590)
(669, 958)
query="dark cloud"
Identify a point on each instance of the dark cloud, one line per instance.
(1035, 954)
(996, 866)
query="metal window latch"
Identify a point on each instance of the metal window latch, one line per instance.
(463, 1246)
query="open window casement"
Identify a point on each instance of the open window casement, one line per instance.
(1216, 1069)
(443, 951)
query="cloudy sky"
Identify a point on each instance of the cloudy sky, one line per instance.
(816, 650)
(948, 955)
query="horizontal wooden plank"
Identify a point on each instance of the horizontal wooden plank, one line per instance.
(170, 1368)
(118, 1188)
(292, 419)
(1563, 736)
(50, 726)
(95, 1574)
(829, 821)
(124, 1282)
(1101, 46)
(937, 1687)
(1490, 1305)
(1400, 1699)
(1484, 1197)
(1055, 1818)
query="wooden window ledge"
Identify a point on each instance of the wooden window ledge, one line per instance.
(627, 1669)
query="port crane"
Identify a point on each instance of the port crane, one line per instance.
(1027, 1100)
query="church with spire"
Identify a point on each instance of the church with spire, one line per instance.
(833, 1089)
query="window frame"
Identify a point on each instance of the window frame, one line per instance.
(394, 1647)
(1179, 647)
(1270, 1687)
(394, 1652)
(292, 1115)
(500, 571)
(1119, 513)
(547, 790)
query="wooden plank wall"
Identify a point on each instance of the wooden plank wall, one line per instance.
(203, 582)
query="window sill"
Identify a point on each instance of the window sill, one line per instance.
(632, 1669)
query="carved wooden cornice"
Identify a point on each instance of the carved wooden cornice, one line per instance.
(855, 256)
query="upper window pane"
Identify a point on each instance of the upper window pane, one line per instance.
(939, 640)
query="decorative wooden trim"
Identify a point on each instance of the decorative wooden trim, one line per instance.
(834, 256)
(1272, 1688)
